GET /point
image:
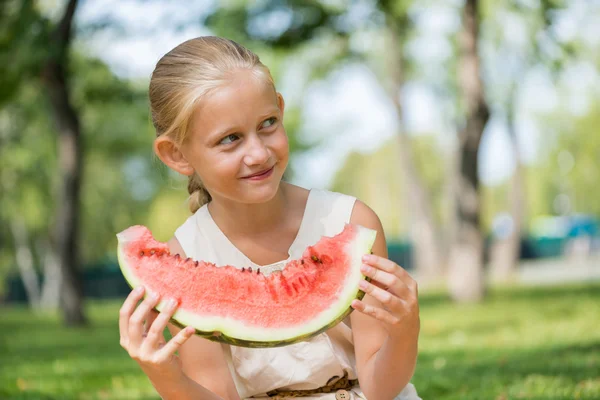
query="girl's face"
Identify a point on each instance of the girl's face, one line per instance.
(237, 143)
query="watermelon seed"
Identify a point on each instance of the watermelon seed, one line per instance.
(152, 252)
(316, 259)
(258, 271)
(196, 263)
(243, 269)
(302, 261)
(249, 269)
(142, 253)
(176, 255)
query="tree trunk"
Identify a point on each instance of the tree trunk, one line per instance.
(24, 257)
(466, 275)
(450, 202)
(70, 150)
(506, 251)
(50, 299)
(426, 243)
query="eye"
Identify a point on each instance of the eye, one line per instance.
(269, 122)
(229, 139)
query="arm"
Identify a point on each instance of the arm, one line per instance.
(203, 361)
(199, 372)
(204, 373)
(386, 341)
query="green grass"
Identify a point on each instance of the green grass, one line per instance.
(519, 344)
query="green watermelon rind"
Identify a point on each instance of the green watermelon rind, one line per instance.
(236, 333)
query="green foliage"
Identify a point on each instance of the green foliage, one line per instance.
(246, 21)
(22, 32)
(570, 160)
(567, 166)
(375, 179)
(120, 175)
(520, 343)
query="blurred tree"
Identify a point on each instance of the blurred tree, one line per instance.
(424, 230)
(538, 46)
(55, 78)
(373, 178)
(569, 174)
(27, 161)
(332, 29)
(466, 277)
(43, 48)
(121, 177)
(122, 183)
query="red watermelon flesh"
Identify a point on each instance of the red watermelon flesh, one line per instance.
(247, 307)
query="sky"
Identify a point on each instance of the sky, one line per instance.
(348, 109)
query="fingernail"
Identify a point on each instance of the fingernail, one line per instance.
(367, 258)
(139, 289)
(365, 269)
(171, 303)
(189, 330)
(363, 284)
(154, 296)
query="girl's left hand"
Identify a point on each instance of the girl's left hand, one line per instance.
(395, 289)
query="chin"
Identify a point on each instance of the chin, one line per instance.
(261, 194)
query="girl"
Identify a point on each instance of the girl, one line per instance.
(219, 120)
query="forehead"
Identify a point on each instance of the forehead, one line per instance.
(245, 97)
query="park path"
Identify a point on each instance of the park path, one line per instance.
(559, 270)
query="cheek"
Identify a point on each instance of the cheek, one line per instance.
(214, 170)
(280, 144)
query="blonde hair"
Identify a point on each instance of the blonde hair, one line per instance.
(185, 75)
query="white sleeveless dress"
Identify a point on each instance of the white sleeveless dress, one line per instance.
(301, 366)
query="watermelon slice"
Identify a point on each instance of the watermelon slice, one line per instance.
(246, 307)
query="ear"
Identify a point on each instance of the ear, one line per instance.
(169, 153)
(280, 104)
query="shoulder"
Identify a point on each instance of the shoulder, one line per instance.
(364, 215)
(360, 213)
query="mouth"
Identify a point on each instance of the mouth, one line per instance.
(261, 174)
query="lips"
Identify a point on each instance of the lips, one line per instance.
(263, 172)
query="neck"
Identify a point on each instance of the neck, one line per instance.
(246, 219)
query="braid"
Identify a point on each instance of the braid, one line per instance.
(199, 196)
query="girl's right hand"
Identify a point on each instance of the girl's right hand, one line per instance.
(145, 343)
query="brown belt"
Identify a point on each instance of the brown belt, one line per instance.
(332, 385)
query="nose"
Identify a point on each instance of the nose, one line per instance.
(257, 153)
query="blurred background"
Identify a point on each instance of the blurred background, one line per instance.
(471, 127)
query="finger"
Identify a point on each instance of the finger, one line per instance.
(136, 322)
(375, 312)
(386, 298)
(125, 313)
(383, 279)
(155, 329)
(390, 267)
(175, 343)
